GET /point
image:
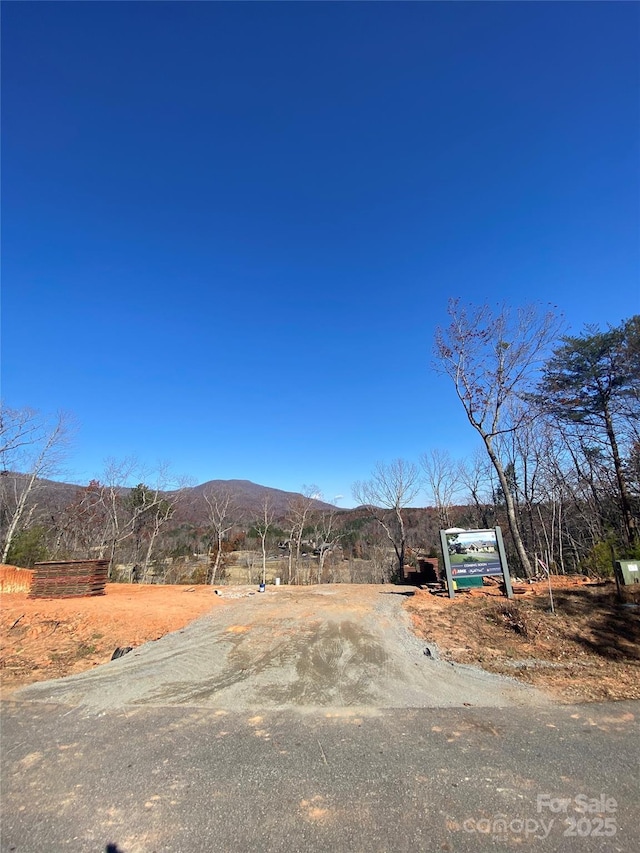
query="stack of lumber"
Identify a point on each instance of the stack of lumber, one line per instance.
(69, 579)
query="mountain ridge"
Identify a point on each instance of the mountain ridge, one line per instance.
(248, 497)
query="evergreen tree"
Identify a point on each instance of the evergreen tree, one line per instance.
(592, 383)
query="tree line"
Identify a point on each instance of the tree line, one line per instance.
(557, 466)
(558, 420)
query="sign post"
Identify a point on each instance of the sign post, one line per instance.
(503, 561)
(447, 563)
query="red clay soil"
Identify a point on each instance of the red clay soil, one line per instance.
(49, 638)
(588, 651)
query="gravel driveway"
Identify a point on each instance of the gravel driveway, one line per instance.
(289, 648)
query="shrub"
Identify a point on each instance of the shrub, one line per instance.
(28, 547)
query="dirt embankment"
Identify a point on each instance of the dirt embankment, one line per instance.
(588, 651)
(49, 638)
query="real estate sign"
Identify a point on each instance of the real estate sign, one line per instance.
(474, 553)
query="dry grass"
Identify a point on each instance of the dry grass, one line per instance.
(588, 651)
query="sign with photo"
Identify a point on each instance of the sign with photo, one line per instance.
(473, 553)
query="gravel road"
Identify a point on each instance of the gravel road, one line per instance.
(289, 648)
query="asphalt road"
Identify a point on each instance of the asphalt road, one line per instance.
(341, 770)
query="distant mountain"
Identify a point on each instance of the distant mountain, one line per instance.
(247, 497)
(51, 497)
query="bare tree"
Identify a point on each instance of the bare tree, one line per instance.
(300, 506)
(118, 475)
(250, 561)
(441, 474)
(82, 527)
(390, 490)
(20, 430)
(159, 513)
(475, 474)
(492, 359)
(262, 526)
(326, 537)
(32, 446)
(221, 511)
(136, 512)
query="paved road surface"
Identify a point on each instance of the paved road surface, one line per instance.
(310, 720)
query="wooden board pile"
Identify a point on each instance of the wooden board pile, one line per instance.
(69, 579)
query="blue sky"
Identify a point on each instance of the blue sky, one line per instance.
(230, 229)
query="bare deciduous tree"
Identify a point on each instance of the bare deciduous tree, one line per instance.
(327, 538)
(82, 525)
(492, 359)
(441, 475)
(161, 510)
(475, 474)
(138, 512)
(221, 511)
(32, 446)
(390, 490)
(262, 526)
(300, 506)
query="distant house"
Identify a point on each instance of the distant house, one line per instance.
(483, 547)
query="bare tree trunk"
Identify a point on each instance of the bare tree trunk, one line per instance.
(510, 507)
(442, 477)
(493, 359)
(386, 494)
(221, 512)
(290, 556)
(263, 526)
(629, 521)
(560, 550)
(164, 511)
(299, 509)
(18, 429)
(17, 515)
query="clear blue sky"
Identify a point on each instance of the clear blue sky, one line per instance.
(230, 229)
